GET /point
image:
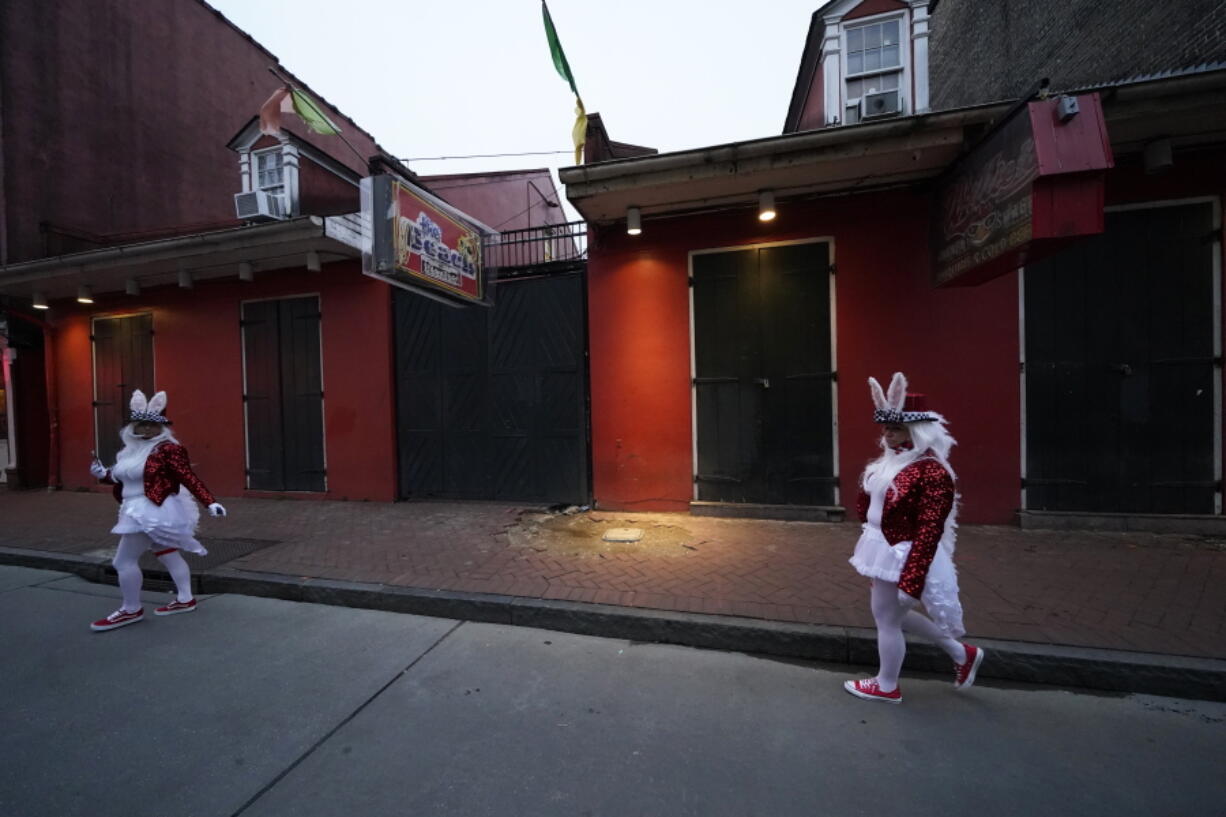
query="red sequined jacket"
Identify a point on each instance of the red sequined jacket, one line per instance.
(165, 470)
(915, 513)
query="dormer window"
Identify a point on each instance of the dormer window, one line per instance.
(864, 60)
(874, 62)
(270, 171)
(267, 165)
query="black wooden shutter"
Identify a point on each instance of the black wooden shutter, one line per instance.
(123, 362)
(262, 396)
(284, 395)
(302, 419)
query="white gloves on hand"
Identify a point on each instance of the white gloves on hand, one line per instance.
(216, 509)
(97, 469)
(907, 600)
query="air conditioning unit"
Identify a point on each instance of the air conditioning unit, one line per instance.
(881, 104)
(256, 205)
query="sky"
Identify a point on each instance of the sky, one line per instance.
(464, 77)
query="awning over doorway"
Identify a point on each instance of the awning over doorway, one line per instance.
(214, 254)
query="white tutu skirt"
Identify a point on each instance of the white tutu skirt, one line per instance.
(876, 558)
(170, 525)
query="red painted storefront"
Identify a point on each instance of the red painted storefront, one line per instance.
(960, 345)
(198, 362)
(887, 317)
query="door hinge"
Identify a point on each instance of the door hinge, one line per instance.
(834, 269)
(690, 282)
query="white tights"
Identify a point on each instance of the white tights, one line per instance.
(127, 556)
(892, 618)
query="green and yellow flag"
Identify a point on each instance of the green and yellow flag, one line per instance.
(312, 114)
(288, 99)
(579, 131)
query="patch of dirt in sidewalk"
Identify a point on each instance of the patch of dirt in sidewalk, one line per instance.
(581, 534)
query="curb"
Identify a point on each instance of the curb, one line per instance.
(1045, 664)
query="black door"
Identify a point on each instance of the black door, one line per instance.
(763, 375)
(1120, 368)
(492, 403)
(123, 362)
(283, 395)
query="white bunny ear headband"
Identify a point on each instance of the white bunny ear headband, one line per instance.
(896, 406)
(152, 410)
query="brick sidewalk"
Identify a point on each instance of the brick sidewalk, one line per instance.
(1152, 593)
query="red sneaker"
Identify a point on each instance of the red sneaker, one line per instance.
(119, 618)
(175, 607)
(964, 674)
(868, 689)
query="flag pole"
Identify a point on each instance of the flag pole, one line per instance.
(310, 100)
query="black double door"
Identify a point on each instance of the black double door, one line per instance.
(1120, 367)
(283, 395)
(492, 402)
(123, 363)
(763, 376)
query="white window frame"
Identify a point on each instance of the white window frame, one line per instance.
(834, 354)
(249, 164)
(267, 153)
(904, 54)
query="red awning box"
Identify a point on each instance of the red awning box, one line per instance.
(1030, 188)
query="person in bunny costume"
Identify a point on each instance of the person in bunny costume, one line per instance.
(154, 484)
(909, 506)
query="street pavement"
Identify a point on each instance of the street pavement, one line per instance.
(1132, 605)
(254, 707)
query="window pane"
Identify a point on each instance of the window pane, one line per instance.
(889, 33)
(889, 57)
(855, 63)
(872, 60)
(887, 82)
(872, 36)
(854, 88)
(853, 115)
(855, 39)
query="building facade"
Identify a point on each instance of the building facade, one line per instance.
(154, 238)
(747, 291)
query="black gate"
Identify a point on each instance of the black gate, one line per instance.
(492, 403)
(123, 362)
(283, 395)
(763, 375)
(1120, 368)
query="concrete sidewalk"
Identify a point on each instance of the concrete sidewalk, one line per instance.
(1131, 612)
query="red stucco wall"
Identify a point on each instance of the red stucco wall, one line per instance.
(198, 362)
(959, 346)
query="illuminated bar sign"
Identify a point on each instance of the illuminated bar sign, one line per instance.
(1034, 185)
(420, 243)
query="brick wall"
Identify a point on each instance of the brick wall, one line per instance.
(990, 50)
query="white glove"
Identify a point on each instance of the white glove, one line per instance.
(907, 600)
(97, 469)
(216, 509)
